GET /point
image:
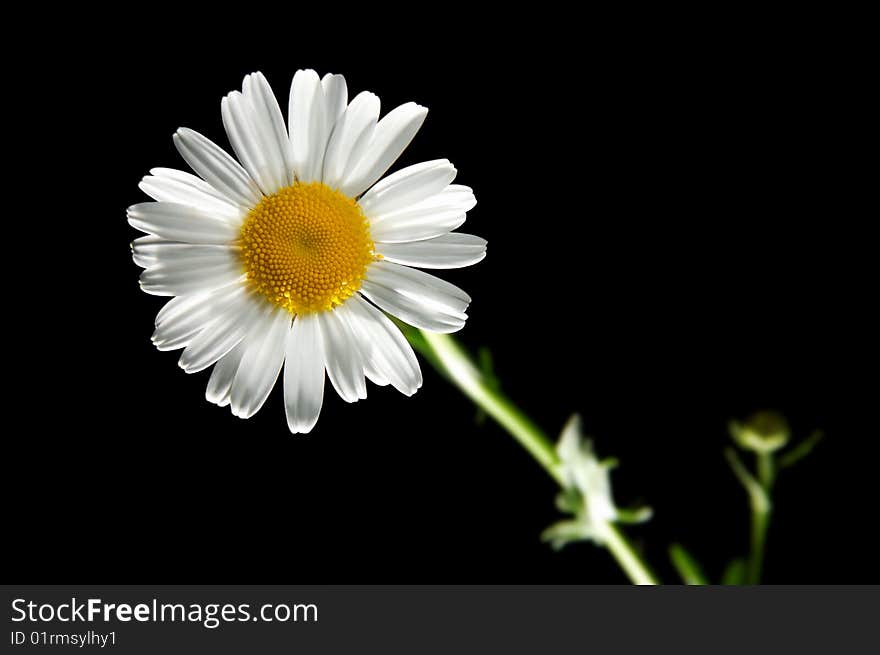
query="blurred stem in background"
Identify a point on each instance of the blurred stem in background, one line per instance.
(765, 434)
(446, 355)
(759, 491)
(584, 480)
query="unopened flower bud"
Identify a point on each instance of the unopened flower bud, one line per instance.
(762, 432)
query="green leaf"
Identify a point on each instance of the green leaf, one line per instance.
(634, 515)
(800, 451)
(566, 532)
(687, 566)
(484, 359)
(484, 362)
(569, 501)
(735, 573)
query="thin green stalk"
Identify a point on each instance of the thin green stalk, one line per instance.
(462, 373)
(630, 561)
(759, 490)
(448, 357)
(761, 516)
(760, 523)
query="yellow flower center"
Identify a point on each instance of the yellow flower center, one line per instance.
(306, 248)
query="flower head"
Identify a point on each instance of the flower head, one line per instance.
(291, 257)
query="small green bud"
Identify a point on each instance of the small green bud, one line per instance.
(763, 432)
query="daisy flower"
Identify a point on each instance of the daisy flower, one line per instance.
(292, 257)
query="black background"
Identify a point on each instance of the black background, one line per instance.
(672, 243)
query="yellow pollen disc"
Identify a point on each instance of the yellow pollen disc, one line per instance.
(306, 248)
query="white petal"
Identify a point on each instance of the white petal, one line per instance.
(222, 334)
(261, 363)
(448, 251)
(191, 269)
(188, 179)
(416, 297)
(351, 137)
(255, 127)
(419, 285)
(304, 374)
(168, 185)
(364, 347)
(307, 125)
(174, 309)
(374, 375)
(155, 250)
(345, 366)
(183, 317)
(176, 222)
(384, 347)
(269, 122)
(184, 281)
(429, 218)
(407, 187)
(393, 134)
(412, 311)
(142, 249)
(263, 164)
(335, 98)
(215, 166)
(220, 384)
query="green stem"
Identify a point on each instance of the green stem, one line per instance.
(448, 357)
(760, 522)
(630, 561)
(766, 471)
(462, 373)
(761, 516)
